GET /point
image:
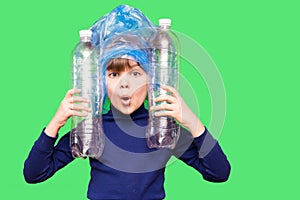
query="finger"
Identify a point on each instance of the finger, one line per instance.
(170, 89)
(78, 99)
(79, 114)
(78, 107)
(161, 107)
(164, 113)
(167, 98)
(73, 91)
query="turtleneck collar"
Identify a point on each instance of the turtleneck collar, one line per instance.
(114, 113)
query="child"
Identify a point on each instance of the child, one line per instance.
(128, 169)
(125, 78)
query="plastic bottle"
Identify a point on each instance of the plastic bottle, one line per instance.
(86, 132)
(163, 132)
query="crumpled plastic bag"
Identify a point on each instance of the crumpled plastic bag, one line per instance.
(124, 32)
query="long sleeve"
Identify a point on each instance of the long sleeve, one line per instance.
(44, 159)
(204, 154)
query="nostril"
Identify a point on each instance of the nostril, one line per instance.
(124, 85)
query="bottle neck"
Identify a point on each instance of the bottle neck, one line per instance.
(164, 27)
(85, 39)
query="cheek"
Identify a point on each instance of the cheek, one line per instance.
(139, 85)
(142, 89)
(110, 87)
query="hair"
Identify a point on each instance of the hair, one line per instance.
(119, 64)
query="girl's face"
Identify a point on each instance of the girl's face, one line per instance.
(127, 88)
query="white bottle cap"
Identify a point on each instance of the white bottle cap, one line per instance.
(164, 22)
(85, 33)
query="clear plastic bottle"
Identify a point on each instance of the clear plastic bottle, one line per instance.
(163, 132)
(86, 132)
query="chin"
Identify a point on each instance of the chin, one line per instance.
(125, 110)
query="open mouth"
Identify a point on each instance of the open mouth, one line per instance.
(125, 100)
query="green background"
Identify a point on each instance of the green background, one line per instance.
(255, 45)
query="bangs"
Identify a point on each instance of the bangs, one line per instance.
(119, 64)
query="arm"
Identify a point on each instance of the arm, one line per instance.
(44, 159)
(204, 154)
(196, 147)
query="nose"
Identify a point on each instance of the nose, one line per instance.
(124, 82)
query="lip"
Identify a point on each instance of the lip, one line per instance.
(125, 99)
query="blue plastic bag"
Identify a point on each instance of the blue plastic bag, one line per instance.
(124, 32)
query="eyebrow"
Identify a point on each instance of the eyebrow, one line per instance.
(135, 66)
(130, 69)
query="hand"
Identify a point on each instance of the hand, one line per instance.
(70, 106)
(174, 106)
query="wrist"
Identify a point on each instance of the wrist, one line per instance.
(197, 128)
(52, 129)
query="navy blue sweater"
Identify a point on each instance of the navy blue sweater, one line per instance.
(128, 169)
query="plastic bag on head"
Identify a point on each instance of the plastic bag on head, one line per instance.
(125, 31)
(123, 18)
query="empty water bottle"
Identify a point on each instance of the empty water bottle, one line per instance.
(86, 132)
(163, 132)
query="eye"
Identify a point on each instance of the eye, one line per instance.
(113, 74)
(136, 73)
